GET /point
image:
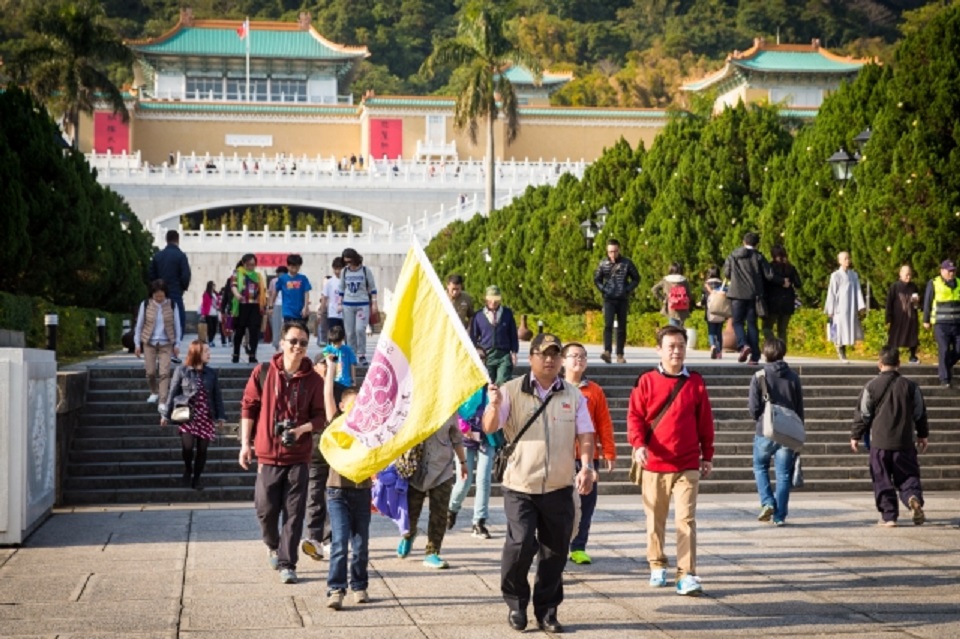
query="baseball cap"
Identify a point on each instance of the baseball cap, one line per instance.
(947, 265)
(545, 341)
(493, 292)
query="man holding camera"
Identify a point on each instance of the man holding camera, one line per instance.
(282, 405)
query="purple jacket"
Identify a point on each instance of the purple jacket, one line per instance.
(390, 497)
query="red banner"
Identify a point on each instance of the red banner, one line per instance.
(271, 260)
(386, 139)
(110, 133)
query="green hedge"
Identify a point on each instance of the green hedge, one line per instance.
(77, 331)
(807, 333)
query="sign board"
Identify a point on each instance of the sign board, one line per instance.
(261, 141)
(271, 260)
(386, 138)
(110, 133)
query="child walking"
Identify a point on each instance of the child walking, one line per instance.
(717, 310)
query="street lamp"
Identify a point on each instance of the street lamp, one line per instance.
(588, 229)
(842, 163)
(602, 217)
(861, 141)
(124, 222)
(486, 255)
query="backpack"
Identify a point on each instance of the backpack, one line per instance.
(678, 299)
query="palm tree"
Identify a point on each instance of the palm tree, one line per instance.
(483, 50)
(65, 57)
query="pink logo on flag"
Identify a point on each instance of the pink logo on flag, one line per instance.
(384, 400)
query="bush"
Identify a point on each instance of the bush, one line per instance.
(77, 330)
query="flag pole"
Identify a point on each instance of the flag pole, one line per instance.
(246, 26)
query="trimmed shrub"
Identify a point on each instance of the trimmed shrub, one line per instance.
(77, 330)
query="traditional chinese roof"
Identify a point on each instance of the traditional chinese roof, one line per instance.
(780, 58)
(224, 108)
(436, 102)
(220, 39)
(522, 75)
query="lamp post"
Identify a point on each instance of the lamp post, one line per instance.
(588, 229)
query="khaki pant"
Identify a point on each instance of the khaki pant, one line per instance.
(151, 354)
(657, 489)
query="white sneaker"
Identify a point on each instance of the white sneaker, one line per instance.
(326, 550)
(153, 398)
(658, 577)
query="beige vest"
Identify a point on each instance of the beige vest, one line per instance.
(150, 321)
(543, 460)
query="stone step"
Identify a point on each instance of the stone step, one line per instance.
(79, 457)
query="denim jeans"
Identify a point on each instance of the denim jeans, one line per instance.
(349, 510)
(745, 312)
(588, 504)
(783, 459)
(715, 334)
(483, 463)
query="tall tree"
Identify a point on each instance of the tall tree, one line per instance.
(66, 56)
(481, 48)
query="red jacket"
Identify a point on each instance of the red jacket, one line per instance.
(602, 423)
(274, 402)
(684, 435)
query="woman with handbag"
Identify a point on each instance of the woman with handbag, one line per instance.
(195, 402)
(781, 386)
(717, 308)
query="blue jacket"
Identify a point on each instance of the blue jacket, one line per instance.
(184, 383)
(171, 266)
(503, 336)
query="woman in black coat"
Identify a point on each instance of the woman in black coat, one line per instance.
(781, 300)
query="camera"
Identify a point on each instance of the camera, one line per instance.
(284, 430)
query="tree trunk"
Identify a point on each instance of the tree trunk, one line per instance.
(491, 176)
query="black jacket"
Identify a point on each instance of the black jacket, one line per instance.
(780, 300)
(616, 280)
(171, 266)
(900, 412)
(784, 387)
(747, 269)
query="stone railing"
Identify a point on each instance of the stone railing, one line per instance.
(380, 240)
(223, 170)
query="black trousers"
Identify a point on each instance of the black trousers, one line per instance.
(247, 319)
(282, 491)
(537, 525)
(892, 472)
(948, 349)
(615, 309)
(318, 519)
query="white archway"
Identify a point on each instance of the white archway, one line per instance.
(242, 203)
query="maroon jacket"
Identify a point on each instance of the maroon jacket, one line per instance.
(275, 402)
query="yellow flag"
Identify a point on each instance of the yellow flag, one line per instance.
(424, 367)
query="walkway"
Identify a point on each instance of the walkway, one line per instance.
(168, 572)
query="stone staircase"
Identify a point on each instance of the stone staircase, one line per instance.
(121, 455)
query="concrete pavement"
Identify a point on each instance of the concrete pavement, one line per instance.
(163, 572)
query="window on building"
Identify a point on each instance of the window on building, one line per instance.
(436, 129)
(284, 90)
(205, 88)
(797, 96)
(237, 89)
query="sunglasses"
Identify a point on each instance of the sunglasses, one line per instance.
(302, 343)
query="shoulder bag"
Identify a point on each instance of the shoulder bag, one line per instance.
(781, 424)
(636, 470)
(502, 458)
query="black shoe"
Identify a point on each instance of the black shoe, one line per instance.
(196, 484)
(451, 519)
(480, 530)
(185, 480)
(235, 358)
(253, 360)
(549, 623)
(517, 620)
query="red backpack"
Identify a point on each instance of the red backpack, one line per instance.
(677, 298)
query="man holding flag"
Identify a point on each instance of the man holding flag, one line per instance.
(423, 368)
(544, 415)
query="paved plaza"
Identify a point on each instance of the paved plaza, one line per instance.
(163, 572)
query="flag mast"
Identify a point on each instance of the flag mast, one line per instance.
(246, 30)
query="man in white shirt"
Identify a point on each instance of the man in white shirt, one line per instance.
(328, 299)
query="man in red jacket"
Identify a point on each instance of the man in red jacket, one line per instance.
(670, 426)
(282, 405)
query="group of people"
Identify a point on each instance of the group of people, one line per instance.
(555, 421)
(749, 288)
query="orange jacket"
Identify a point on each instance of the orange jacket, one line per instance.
(602, 423)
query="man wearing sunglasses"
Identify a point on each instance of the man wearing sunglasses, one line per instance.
(282, 405)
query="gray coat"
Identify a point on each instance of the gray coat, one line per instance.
(436, 466)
